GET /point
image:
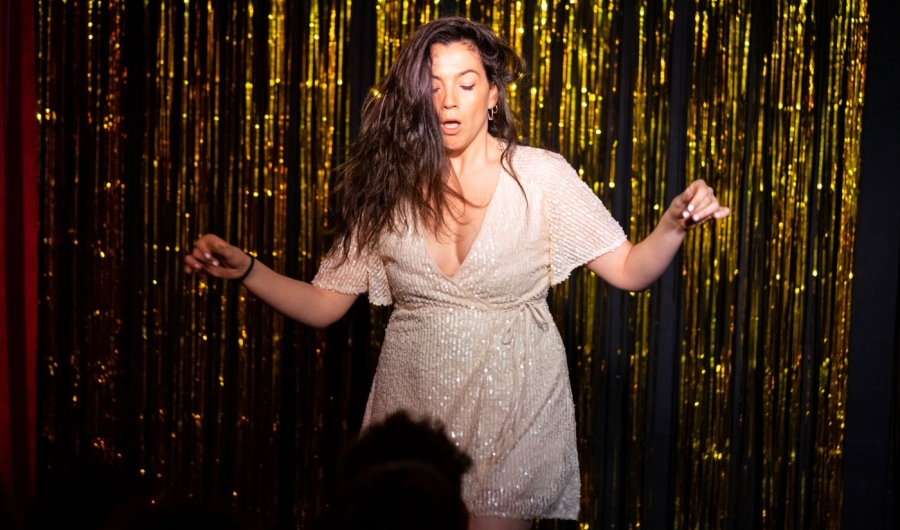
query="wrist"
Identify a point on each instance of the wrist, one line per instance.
(675, 223)
(249, 269)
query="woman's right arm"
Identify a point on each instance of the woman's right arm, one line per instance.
(301, 301)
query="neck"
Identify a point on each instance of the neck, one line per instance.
(481, 152)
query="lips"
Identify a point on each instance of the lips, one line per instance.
(450, 126)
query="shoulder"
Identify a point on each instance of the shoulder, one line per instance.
(541, 167)
(535, 157)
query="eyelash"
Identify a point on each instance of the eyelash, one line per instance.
(464, 87)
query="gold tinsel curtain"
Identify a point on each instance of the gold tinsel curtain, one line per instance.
(714, 400)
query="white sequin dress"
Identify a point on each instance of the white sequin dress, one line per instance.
(479, 350)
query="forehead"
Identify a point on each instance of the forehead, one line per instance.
(455, 58)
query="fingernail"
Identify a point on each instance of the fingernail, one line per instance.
(696, 218)
(685, 214)
(197, 266)
(208, 255)
(690, 207)
(215, 263)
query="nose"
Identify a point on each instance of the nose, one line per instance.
(448, 99)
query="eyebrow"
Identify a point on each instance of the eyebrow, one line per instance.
(469, 71)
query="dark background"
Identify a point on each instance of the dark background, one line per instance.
(872, 448)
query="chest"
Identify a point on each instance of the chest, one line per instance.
(463, 222)
(513, 238)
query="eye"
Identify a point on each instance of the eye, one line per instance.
(467, 87)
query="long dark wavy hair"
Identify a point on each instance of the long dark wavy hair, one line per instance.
(398, 171)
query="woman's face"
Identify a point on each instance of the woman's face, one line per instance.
(462, 94)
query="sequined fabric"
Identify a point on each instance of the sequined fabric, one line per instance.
(479, 350)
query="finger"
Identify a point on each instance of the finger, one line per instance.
(213, 250)
(216, 245)
(191, 264)
(210, 245)
(703, 204)
(201, 249)
(691, 196)
(196, 262)
(707, 209)
(222, 253)
(719, 213)
(204, 257)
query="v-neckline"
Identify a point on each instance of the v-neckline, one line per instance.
(487, 213)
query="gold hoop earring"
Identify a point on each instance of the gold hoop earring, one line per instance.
(491, 113)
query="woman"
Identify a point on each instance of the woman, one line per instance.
(444, 215)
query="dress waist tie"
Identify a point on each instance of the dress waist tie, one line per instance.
(517, 336)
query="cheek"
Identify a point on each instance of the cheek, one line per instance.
(478, 102)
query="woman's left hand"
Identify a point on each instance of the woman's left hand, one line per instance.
(696, 205)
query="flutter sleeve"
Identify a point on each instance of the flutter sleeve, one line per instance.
(581, 228)
(359, 273)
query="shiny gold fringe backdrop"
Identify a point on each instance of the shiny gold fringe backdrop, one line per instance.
(717, 139)
(235, 115)
(774, 123)
(165, 119)
(648, 186)
(82, 201)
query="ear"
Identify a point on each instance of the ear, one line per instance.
(493, 95)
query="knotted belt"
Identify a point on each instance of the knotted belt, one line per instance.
(516, 422)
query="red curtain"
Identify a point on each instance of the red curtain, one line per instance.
(18, 247)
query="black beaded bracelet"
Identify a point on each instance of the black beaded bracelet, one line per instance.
(247, 272)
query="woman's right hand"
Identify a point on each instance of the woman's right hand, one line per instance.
(299, 300)
(216, 257)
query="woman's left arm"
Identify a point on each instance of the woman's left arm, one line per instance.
(635, 267)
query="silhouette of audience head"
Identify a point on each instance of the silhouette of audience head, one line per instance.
(402, 474)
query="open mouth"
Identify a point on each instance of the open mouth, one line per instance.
(450, 126)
